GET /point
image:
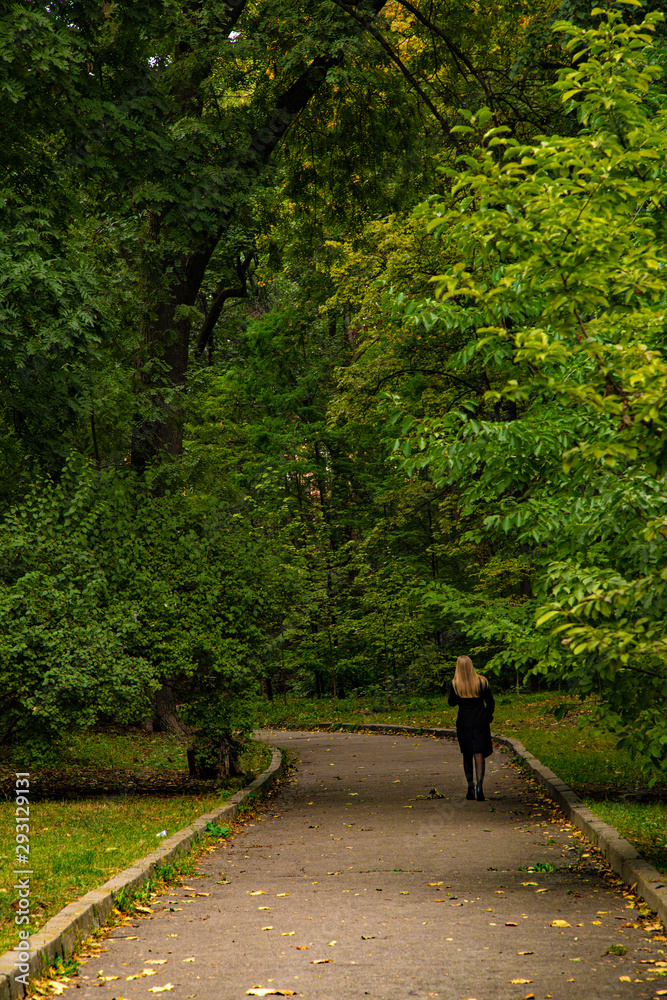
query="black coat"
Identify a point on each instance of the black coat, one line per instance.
(473, 722)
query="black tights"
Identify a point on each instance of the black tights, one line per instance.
(480, 766)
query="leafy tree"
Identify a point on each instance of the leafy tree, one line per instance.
(560, 289)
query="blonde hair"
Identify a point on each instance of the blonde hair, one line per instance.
(467, 682)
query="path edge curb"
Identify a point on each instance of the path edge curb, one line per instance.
(60, 935)
(618, 852)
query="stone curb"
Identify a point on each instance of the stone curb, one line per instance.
(619, 853)
(61, 934)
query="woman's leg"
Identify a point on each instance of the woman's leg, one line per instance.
(480, 767)
(467, 767)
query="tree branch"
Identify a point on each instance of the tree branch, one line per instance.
(416, 86)
(458, 53)
(296, 97)
(238, 292)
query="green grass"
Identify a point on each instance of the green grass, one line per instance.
(120, 749)
(582, 756)
(75, 846)
(644, 824)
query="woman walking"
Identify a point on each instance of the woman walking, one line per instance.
(471, 692)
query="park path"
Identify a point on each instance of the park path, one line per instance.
(350, 882)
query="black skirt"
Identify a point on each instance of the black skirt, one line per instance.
(473, 724)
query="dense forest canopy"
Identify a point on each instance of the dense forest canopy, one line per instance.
(330, 348)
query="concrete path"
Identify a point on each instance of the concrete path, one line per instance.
(352, 883)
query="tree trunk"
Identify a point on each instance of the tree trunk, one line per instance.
(165, 714)
(162, 363)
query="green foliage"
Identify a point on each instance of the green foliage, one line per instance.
(222, 726)
(559, 289)
(215, 830)
(66, 650)
(107, 591)
(158, 168)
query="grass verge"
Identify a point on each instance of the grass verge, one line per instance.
(77, 845)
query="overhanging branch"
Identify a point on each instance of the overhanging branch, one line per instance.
(414, 83)
(239, 291)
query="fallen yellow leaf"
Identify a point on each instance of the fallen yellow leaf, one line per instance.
(257, 892)
(287, 933)
(161, 989)
(282, 894)
(320, 961)
(560, 923)
(143, 909)
(435, 883)
(625, 979)
(510, 923)
(269, 928)
(519, 981)
(525, 952)
(156, 961)
(260, 992)
(189, 959)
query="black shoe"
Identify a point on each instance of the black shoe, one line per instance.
(480, 794)
(471, 792)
